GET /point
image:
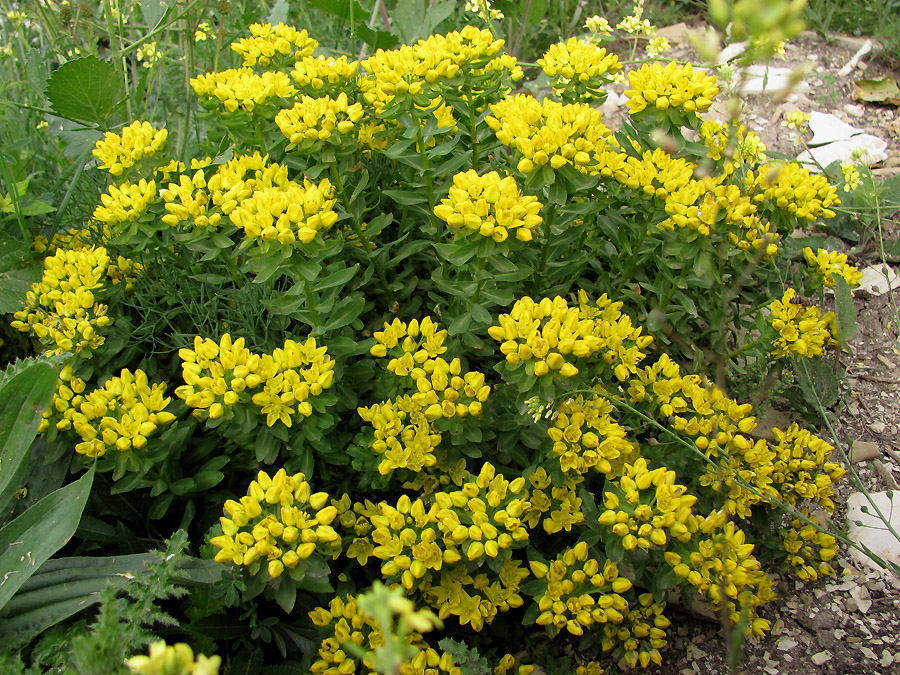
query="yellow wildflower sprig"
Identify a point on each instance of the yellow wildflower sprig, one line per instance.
(271, 46)
(581, 591)
(344, 623)
(491, 206)
(549, 132)
(549, 336)
(642, 633)
(314, 121)
(643, 504)
(578, 70)
(242, 88)
(118, 153)
(673, 95)
(801, 330)
(825, 264)
(800, 468)
(277, 527)
(556, 508)
(120, 415)
(219, 376)
(62, 309)
(126, 203)
(720, 564)
(586, 437)
(789, 191)
(325, 76)
(177, 659)
(809, 549)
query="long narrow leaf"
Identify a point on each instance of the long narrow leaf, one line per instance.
(29, 540)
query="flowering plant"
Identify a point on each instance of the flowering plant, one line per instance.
(453, 338)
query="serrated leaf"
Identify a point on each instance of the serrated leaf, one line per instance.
(84, 90)
(17, 273)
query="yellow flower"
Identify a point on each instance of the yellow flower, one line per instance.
(312, 120)
(242, 88)
(491, 206)
(825, 264)
(268, 44)
(578, 69)
(670, 86)
(177, 659)
(117, 152)
(802, 331)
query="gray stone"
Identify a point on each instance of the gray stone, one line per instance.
(873, 151)
(872, 532)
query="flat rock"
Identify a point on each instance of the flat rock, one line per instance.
(875, 282)
(679, 32)
(827, 128)
(873, 148)
(821, 657)
(860, 451)
(871, 531)
(777, 82)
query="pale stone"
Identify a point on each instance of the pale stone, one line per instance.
(826, 128)
(771, 80)
(786, 644)
(679, 32)
(860, 451)
(875, 282)
(871, 531)
(821, 657)
(873, 151)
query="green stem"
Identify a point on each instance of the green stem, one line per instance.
(632, 262)
(14, 197)
(115, 43)
(426, 170)
(311, 302)
(338, 180)
(473, 125)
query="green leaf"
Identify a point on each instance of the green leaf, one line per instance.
(818, 381)
(345, 312)
(154, 11)
(845, 312)
(84, 90)
(339, 278)
(28, 541)
(17, 273)
(22, 401)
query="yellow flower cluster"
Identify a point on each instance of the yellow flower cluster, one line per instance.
(586, 437)
(579, 69)
(491, 206)
(177, 659)
(313, 120)
(801, 470)
(404, 431)
(477, 54)
(642, 633)
(573, 579)
(242, 88)
(670, 86)
(722, 567)
(549, 335)
(549, 132)
(792, 188)
(188, 200)
(476, 599)
(325, 75)
(480, 520)
(268, 44)
(805, 544)
(68, 396)
(348, 625)
(735, 144)
(851, 176)
(825, 264)
(287, 213)
(62, 309)
(219, 376)
(655, 174)
(125, 203)
(560, 502)
(403, 434)
(120, 415)
(802, 331)
(643, 504)
(280, 521)
(119, 152)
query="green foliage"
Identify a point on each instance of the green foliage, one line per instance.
(84, 90)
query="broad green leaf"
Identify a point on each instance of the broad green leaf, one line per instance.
(154, 11)
(17, 272)
(22, 401)
(29, 540)
(84, 90)
(818, 381)
(278, 13)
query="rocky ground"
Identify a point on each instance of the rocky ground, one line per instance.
(848, 624)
